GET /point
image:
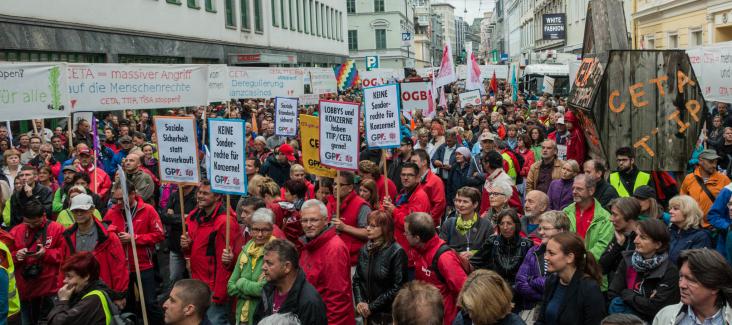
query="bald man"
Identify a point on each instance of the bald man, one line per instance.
(536, 203)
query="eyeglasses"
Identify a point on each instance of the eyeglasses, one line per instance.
(496, 194)
(261, 230)
(408, 175)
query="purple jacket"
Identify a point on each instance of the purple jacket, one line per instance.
(560, 194)
(531, 276)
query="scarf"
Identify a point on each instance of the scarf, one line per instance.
(464, 226)
(251, 255)
(642, 265)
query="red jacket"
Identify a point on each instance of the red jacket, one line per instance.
(206, 264)
(148, 231)
(435, 190)
(47, 283)
(416, 202)
(450, 269)
(100, 183)
(110, 255)
(380, 188)
(309, 194)
(324, 260)
(350, 207)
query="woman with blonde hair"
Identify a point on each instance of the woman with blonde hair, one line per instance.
(560, 190)
(485, 299)
(685, 229)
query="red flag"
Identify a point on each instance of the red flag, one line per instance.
(494, 83)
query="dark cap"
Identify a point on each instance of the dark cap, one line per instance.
(70, 168)
(407, 141)
(644, 192)
(709, 154)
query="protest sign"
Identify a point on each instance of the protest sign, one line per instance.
(486, 71)
(218, 83)
(713, 66)
(381, 105)
(469, 97)
(228, 172)
(339, 134)
(32, 90)
(309, 99)
(265, 82)
(548, 85)
(415, 95)
(322, 80)
(286, 116)
(380, 76)
(177, 149)
(78, 116)
(310, 136)
(108, 87)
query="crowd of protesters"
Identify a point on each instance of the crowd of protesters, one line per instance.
(490, 214)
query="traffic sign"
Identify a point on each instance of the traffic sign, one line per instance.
(372, 62)
(406, 39)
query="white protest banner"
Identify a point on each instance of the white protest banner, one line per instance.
(446, 73)
(548, 85)
(322, 80)
(108, 87)
(381, 106)
(415, 95)
(78, 116)
(339, 140)
(177, 149)
(309, 99)
(713, 68)
(380, 76)
(486, 71)
(286, 116)
(218, 83)
(425, 72)
(265, 82)
(227, 169)
(33, 90)
(469, 97)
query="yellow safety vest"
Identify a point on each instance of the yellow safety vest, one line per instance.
(105, 304)
(640, 180)
(13, 299)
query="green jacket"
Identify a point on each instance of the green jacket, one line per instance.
(58, 200)
(67, 219)
(600, 232)
(246, 284)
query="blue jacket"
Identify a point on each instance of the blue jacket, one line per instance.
(440, 152)
(687, 239)
(718, 217)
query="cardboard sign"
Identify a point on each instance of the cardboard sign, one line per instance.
(470, 97)
(228, 154)
(31, 90)
(109, 87)
(286, 116)
(218, 83)
(310, 134)
(339, 138)
(322, 81)
(265, 82)
(415, 95)
(78, 116)
(177, 149)
(381, 106)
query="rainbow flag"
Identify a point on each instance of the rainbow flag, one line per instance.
(346, 75)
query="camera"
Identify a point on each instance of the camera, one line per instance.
(32, 271)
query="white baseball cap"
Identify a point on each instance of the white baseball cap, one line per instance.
(82, 202)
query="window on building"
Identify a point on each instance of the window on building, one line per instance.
(380, 39)
(313, 19)
(299, 15)
(210, 5)
(673, 41)
(291, 9)
(258, 17)
(175, 2)
(328, 23)
(229, 9)
(650, 42)
(696, 38)
(283, 15)
(274, 13)
(318, 18)
(351, 6)
(378, 5)
(306, 16)
(352, 40)
(194, 4)
(322, 19)
(244, 4)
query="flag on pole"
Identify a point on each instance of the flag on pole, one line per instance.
(346, 75)
(473, 80)
(431, 98)
(494, 83)
(10, 133)
(443, 100)
(514, 84)
(446, 74)
(126, 200)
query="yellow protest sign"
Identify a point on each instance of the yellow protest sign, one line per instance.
(309, 131)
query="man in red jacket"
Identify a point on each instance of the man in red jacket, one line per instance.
(148, 230)
(432, 185)
(205, 247)
(37, 258)
(100, 182)
(89, 235)
(351, 225)
(412, 198)
(449, 275)
(324, 260)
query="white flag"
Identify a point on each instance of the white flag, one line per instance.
(446, 74)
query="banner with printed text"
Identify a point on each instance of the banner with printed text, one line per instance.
(310, 136)
(32, 90)
(286, 116)
(339, 134)
(265, 82)
(228, 153)
(177, 149)
(469, 97)
(322, 80)
(713, 67)
(218, 83)
(415, 95)
(380, 76)
(108, 87)
(381, 105)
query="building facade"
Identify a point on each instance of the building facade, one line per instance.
(375, 28)
(237, 32)
(670, 24)
(446, 12)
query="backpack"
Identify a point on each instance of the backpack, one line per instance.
(441, 250)
(109, 307)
